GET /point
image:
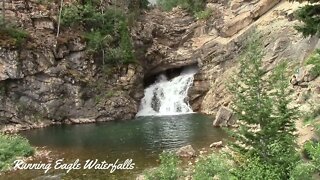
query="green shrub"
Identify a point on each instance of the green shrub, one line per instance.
(168, 169)
(313, 150)
(11, 147)
(213, 165)
(302, 171)
(204, 15)
(10, 34)
(107, 31)
(315, 60)
(254, 169)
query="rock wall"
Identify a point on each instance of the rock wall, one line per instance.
(54, 80)
(175, 39)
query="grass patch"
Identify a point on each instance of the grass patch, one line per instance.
(12, 147)
(212, 166)
(168, 169)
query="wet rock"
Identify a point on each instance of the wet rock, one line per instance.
(186, 152)
(223, 116)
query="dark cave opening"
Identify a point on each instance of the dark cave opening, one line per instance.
(169, 73)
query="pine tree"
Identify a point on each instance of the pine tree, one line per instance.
(310, 16)
(265, 139)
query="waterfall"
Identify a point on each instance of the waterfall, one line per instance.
(168, 97)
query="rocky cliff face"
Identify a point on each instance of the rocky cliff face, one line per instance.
(176, 40)
(54, 80)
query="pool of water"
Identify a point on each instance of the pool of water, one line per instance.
(141, 140)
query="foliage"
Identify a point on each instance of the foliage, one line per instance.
(205, 14)
(265, 138)
(138, 4)
(310, 16)
(167, 170)
(315, 60)
(302, 171)
(313, 150)
(192, 6)
(213, 165)
(11, 147)
(11, 34)
(106, 30)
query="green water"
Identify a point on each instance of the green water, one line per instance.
(141, 140)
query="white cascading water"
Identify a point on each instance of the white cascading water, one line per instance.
(168, 97)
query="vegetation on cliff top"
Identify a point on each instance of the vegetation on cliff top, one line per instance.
(11, 148)
(106, 28)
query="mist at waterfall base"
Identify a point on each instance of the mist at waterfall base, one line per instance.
(168, 97)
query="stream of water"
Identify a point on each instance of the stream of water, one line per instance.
(168, 97)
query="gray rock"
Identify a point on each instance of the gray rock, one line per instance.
(186, 152)
(223, 116)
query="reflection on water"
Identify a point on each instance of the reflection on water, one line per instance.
(141, 139)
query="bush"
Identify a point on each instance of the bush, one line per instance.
(167, 170)
(315, 60)
(11, 147)
(211, 166)
(206, 14)
(254, 169)
(12, 35)
(302, 171)
(313, 151)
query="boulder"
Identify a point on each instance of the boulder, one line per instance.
(305, 74)
(217, 144)
(186, 151)
(223, 116)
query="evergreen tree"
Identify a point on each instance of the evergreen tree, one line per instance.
(310, 15)
(265, 140)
